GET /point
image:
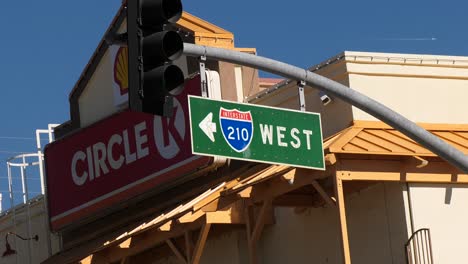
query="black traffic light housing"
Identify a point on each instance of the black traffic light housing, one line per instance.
(152, 46)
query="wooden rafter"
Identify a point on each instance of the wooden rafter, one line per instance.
(254, 227)
(259, 185)
(142, 242)
(323, 193)
(277, 186)
(400, 171)
(249, 222)
(423, 163)
(188, 245)
(232, 214)
(266, 188)
(342, 218)
(176, 251)
(200, 246)
(260, 222)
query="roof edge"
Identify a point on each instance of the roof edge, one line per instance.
(427, 126)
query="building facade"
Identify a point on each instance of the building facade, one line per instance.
(375, 202)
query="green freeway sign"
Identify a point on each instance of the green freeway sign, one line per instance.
(256, 133)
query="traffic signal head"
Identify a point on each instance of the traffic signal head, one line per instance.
(153, 79)
(155, 12)
(164, 46)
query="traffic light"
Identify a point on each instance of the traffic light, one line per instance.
(152, 47)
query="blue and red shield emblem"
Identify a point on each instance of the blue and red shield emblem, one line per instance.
(237, 128)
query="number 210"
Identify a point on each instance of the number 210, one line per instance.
(240, 133)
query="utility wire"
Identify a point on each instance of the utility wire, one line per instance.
(21, 138)
(25, 138)
(13, 152)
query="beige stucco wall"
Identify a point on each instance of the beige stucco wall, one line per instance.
(376, 223)
(423, 88)
(96, 102)
(443, 209)
(18, 223)
(335, 116)
(226, 248)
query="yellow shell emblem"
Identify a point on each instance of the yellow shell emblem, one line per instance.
(121, 70)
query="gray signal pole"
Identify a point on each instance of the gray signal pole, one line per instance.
(376, 109)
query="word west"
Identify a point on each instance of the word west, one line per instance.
(284, 138)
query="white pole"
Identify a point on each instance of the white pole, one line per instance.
(23, 182)
(10, 185)
(40, 158)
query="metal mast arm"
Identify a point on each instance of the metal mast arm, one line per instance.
(376, 109)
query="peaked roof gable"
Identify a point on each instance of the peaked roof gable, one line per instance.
(374, 137)
(204, 33)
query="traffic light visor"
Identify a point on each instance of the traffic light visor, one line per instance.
(155, 12)
(164, 80)
(164, 45)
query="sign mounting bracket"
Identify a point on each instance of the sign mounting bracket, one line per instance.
(204, 84)
(302, 103)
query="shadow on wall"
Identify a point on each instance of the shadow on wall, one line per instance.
(377, 228)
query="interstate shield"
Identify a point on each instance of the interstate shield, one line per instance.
(237, 128)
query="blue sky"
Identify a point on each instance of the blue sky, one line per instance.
(46, 44)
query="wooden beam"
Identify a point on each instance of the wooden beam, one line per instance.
(220, 203)
(126, 243)
(210, 198)
(86, 260)
(289, 177)
(278, 186)
(423, 163)
(97, 258)
(176, 251)
(261, 176)
(400, 171)
(330, 159)
(342, 219)
(146, 240)
(232, 214)
(405, 177)
(338, 144)
(166, 226)
(246, 193)
(260, 222)
(295, 200)
(254, 226)
(200, 246)
(323, 193)
(188, 245)
(270, 188)
(249, 225)
(190, 217)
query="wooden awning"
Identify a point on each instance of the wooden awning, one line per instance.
(226, 203)
(377, 138)
(366, 151)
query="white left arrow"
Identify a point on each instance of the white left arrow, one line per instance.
(208, 126)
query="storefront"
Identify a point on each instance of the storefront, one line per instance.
(377, 190)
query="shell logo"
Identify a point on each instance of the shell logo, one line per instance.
(121, 70)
